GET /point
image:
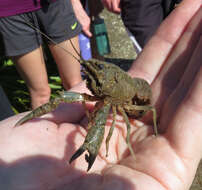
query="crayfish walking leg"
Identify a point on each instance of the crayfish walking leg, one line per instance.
(110, 130)
(66, 96)
(125, 117)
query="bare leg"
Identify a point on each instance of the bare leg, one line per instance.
(32, 68)
(68, 66)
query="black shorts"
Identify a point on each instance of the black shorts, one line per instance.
(143, 17)
(57, 20)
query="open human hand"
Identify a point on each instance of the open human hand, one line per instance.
(36, 154)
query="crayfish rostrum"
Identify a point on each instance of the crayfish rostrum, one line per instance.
(112, 89)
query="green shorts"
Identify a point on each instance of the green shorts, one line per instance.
(57, 20)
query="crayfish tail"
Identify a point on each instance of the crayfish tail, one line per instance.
(78, 153)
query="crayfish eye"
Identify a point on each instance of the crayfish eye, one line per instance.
(101, 66)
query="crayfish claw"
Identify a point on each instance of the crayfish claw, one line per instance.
(90, 159)
(94, 137)
(78, 153)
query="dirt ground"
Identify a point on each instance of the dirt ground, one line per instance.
(123, 53)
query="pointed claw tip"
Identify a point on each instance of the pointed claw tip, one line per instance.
(21, 121)
(89, 167)
(90, 159)
(17, 124)
(71, 160)
(76, 154)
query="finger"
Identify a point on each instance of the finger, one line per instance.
(87, 32)
(185, 131)
(158, 48)
(86, 26)
(116, 7)
(107, 4)
(177, 62)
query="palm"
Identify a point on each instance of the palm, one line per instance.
(42, 150)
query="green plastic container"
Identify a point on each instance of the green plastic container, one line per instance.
(101, 36)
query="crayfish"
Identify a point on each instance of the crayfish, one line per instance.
(112, 89)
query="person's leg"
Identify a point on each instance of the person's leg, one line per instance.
(32, 69)
(142, 18)
(68, 66)
(23, 44)
(60, 24)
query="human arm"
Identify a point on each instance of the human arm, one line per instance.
(82, 17)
